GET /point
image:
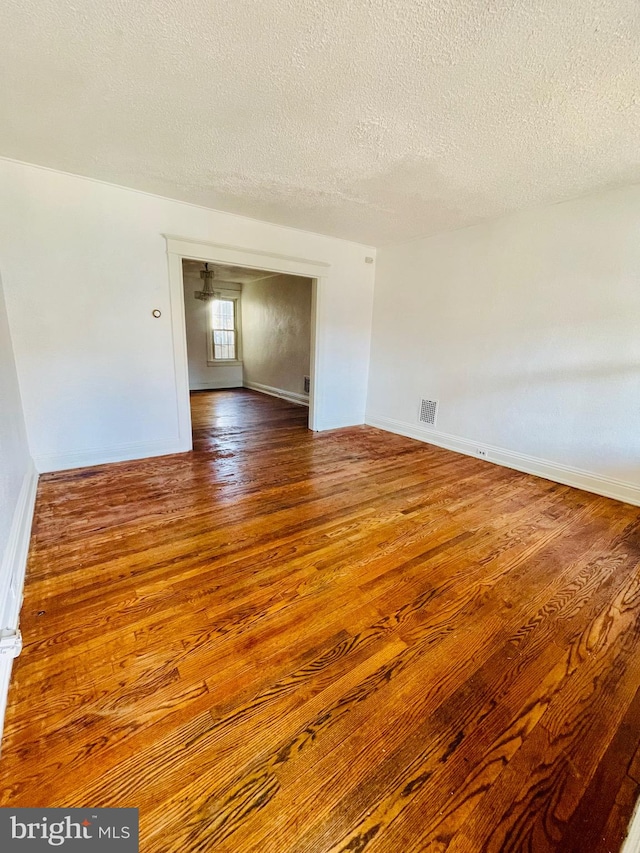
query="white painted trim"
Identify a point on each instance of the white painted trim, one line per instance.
(224, 362)
(316, 400)
(215, 384)
(179, 248)
(12, 573)
(291, 396)
(569, 476)
(631, 843)
(6, 667)
(15, 556)
(240, 256)
(100, 455)
(180, 358)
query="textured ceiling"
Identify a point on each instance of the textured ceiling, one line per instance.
(224, 272)
(373, 120)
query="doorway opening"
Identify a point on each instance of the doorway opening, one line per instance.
(318, 272)
(249, 332)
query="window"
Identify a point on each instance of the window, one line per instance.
(224, 343)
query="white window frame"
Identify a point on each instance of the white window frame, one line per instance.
(232, 295)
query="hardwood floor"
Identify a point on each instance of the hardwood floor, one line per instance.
(342, 641)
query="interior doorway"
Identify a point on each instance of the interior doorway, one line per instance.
(248, 328)
(318, 272)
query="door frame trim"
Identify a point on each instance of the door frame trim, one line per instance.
(179, 248)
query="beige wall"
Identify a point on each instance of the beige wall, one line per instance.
(196, 314)
(276, 332)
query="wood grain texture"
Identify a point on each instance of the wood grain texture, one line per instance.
(329, 643)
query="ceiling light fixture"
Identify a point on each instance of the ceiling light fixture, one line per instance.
(207, 292)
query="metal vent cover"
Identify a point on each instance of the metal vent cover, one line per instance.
(428, 412)
(307, 384)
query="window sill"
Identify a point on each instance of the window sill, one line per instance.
(224, 362)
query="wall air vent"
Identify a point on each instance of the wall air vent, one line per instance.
(428, 412)
(307, 384)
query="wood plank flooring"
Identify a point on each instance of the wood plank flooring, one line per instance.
(343, 641)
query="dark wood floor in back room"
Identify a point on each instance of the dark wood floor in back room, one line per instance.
(342, 641)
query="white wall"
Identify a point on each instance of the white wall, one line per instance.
(15, 460)
(527, 330)
(17, 497)
(85, 264)
(276, 333)
(202, 374)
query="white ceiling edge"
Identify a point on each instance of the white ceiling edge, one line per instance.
(244, 217)
(367, 246)
(532, 208)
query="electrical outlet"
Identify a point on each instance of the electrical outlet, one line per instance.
(481, 453)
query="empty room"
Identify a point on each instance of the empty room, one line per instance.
(320, 426)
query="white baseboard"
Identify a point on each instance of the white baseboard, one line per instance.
(632, 841)
(565, 474)
(291, 396)
(215, 385)
(12, 572)
(99, 456)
